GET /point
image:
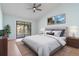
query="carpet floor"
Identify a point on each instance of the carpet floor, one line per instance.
(66, 51)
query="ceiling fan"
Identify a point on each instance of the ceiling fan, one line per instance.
(36, 7)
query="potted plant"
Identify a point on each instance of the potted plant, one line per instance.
(1, 33)
(7, 30)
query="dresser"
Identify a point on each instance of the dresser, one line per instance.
(73, 42)
(3, 45)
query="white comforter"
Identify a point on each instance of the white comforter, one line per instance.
(44, 44)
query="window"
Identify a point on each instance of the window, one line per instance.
(23, 29)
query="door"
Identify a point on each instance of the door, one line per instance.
(23, 29)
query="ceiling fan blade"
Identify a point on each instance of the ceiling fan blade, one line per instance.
(39, 9)
(38, 5)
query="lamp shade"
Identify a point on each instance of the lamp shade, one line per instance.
(42, 30)
(73, 30)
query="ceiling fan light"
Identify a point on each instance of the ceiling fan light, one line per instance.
(34, 8)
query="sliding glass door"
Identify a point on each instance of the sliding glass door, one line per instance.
(23, 29)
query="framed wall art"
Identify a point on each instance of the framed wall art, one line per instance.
(58, 19)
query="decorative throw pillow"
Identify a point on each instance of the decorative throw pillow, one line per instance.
(47, 32)
(50, 33)
(62, 33)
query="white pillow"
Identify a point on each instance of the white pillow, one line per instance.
(56, 33)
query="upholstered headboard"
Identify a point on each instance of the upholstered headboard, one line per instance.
(58, 27)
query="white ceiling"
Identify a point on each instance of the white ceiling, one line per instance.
(21, 10)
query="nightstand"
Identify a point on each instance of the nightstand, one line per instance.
(73, 42)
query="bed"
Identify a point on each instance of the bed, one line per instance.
(44, 44)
